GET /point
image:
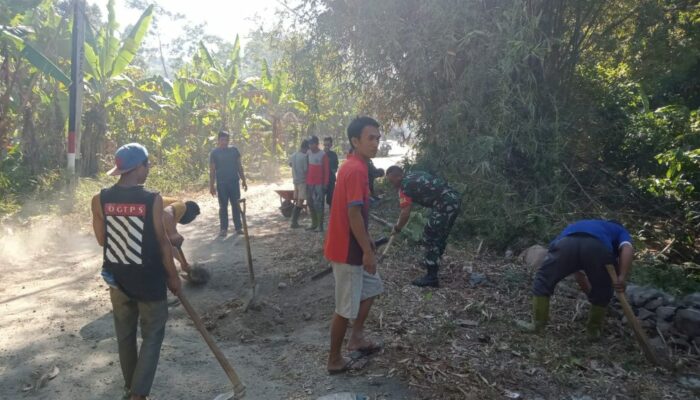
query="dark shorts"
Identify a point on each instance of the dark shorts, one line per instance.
(576, 253)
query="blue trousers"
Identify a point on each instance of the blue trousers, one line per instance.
(229, 192)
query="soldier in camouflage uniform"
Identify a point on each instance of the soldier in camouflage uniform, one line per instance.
(431, 192)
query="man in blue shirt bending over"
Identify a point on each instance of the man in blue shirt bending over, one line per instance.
(583, 248)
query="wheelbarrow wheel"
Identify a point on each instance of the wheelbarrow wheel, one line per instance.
(287, 208)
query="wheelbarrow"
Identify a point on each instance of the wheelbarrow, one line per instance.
(286, 202)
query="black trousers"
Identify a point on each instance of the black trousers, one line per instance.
(576, 253)
(331, 188)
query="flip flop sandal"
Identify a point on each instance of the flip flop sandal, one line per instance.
(355, 364)
(367, 351)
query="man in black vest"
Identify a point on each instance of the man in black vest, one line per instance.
(137, 264)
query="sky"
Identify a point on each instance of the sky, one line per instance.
(224, 18)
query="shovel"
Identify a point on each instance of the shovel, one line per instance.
(639, 333)
(249, 256)
(238, 387)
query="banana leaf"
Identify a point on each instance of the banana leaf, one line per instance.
(132, 43)
(36, 58)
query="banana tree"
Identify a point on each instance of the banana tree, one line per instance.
(27, 46)
(226, 87)
(278, 105)
(106, 60)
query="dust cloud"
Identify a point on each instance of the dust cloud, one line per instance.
(48, 235)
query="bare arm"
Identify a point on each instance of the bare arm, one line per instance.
(98, 222)
(166, 248)
(241, 173)
(357, 226)
(583, 282)
(180, 255)
(626, 256)
(212, 174)
(403, 219)
(174, 236)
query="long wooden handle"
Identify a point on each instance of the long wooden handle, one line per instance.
(388, 244)
(247, 244)
(238, 386)
(633, 321)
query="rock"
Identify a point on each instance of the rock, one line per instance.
(648, 324)
(306, 316)
(476, 279)
(665, 313)
(278, 320)
(533, 256)
(688, 322)
(282, 285)
(658, 344)
(655, 303)
(639, 296)
(692, 300)
(663, 326)
(679, 342)
(691, 382)
(644, 314)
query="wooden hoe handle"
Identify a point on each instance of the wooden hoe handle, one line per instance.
(633, 321)
(247, 243)
(238, 386)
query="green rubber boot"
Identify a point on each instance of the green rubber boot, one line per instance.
(540, 316)
(314, 220)
(596, 318)
(295, 217)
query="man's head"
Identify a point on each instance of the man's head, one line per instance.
(363, 134)
(327, 143)
(304, 146)
(191, 212)
(131, 160)
(394, 174)
(223, 139)
(313, 143)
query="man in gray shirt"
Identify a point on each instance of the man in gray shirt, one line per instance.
(225, 167)
(299, 162)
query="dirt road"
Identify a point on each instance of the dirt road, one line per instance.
(55, 312)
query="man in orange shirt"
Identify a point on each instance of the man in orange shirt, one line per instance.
(349, 247)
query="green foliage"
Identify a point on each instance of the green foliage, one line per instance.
(413, 230)
(678, 280)
(539, 112)
(35, 57)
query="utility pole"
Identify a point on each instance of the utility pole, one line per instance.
(76, 88)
